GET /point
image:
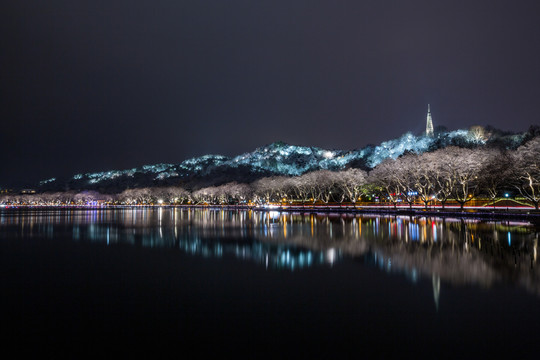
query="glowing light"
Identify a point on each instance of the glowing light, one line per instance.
(328, 154)
(331, 255)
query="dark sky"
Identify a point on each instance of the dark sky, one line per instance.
(96, 85)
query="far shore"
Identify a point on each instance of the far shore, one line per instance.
(483, 213)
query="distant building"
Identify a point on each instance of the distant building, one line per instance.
(429, 123)
(28, 191)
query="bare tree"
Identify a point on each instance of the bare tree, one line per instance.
(404, 174)
(269, 189)
(323, 181)
(384, 177)
(464, 167)
(350, 183)
(239, 193)
(495, 173)
(208, 195)
(299, 188)
(425, 176)
(526, 171)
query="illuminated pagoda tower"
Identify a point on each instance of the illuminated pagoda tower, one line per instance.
(429, 123)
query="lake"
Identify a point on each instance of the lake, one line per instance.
(266, 284)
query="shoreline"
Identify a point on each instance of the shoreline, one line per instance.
(528, 214)
(484, 213)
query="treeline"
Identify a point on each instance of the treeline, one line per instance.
(448, 174)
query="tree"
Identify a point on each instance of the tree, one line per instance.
(526, 170)
(350, 183)
(383, 176)
(424, 175)
(238, 193)
(323, 182)
(404, 175)
(299, 188)
(208, 195)
(495, 173)
(464, 167)
(270, 188)
(450, 168)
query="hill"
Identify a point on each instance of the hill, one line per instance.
(278, 159)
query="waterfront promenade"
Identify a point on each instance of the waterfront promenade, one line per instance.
(480, 212)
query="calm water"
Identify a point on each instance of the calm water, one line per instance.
(267, 283)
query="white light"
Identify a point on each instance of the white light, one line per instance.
(331, 255)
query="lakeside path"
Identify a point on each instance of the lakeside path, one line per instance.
(481, 213)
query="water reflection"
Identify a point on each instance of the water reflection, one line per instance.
(455, 251)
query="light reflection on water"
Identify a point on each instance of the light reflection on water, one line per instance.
(456, 251)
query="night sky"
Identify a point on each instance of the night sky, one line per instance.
(97, 85)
